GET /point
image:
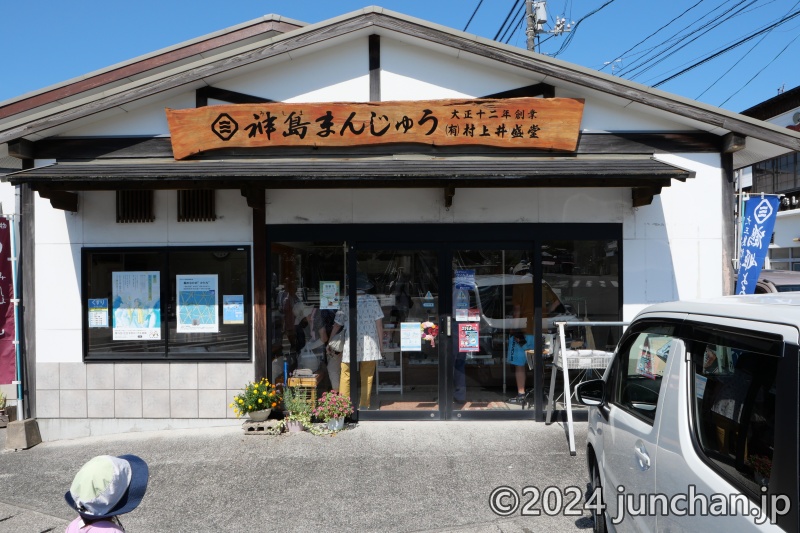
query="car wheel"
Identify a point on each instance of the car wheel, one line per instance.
(596, 500)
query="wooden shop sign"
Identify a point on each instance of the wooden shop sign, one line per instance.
(540, 123)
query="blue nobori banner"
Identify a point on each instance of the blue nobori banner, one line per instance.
(757, 224)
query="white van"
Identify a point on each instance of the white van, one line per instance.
(694, 426)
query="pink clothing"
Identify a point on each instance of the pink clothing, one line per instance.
(102, 526)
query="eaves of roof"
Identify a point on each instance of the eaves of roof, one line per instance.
(356, 172)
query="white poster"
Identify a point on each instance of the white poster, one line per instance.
(197, 303)
(136, 305)
(329, 295)
(410, 338)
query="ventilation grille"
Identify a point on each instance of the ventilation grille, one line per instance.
(197, 206)
(135, 206)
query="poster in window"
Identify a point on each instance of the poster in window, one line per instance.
(468, 337)
(233, 309)
(329, 295)
(197, 303)
(98, 312)
(410, 339)
(645, 365)
(136, 307)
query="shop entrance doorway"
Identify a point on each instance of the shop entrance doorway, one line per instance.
(446, 328)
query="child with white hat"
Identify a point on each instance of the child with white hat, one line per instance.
(104, 488)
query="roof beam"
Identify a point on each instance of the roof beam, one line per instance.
(21, 149)
(63, 200)
(733, 142)
(203, 94)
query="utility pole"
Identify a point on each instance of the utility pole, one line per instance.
(536, 15)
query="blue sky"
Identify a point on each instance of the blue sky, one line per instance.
(49, 41)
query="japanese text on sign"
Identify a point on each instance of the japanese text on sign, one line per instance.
(551, 124)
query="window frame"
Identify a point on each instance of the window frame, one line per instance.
(615, 378)
(166, 282)
(696, 336)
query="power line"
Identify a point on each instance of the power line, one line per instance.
(699, 32)
(569, 37)
(473, 14)
(759, 72)
(729, 48)
(741, 59)
(655, 32)
(521, 20)
(510, 12)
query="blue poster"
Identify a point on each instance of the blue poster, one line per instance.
(757, 224)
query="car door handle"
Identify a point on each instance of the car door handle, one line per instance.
(641, 455)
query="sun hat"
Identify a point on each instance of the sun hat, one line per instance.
(362, 282)
(108, 486)
(301, 311)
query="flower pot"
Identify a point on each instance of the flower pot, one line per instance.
(294, 426)
(336, 424)
(259, 416)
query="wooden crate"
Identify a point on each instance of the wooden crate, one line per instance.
(306, 387)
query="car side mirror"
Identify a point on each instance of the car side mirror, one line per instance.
(591, 393)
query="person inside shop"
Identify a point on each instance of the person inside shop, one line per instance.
(521, 339)
(368, 339)
(311, 335)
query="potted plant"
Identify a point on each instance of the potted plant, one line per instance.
(298, 409)
(256, 400)
(332, 408)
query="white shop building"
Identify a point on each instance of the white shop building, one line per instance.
(165, 265)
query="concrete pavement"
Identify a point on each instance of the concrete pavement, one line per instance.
(378, 476)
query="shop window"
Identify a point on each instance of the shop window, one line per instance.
(167, 303)
(135, 207)
(197, 206)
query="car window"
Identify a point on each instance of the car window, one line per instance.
(639, 375)
(734, 391)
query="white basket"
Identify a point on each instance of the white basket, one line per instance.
(584, 358)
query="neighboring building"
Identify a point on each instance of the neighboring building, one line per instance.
(166, 264)
(780, 175)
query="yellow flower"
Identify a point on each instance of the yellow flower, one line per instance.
(230, 405)
(265, 393)
(260, 400)
(241, 401)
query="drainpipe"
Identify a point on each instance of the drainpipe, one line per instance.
(12, 233)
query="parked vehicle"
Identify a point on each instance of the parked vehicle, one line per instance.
(778, 281)
(694, 426)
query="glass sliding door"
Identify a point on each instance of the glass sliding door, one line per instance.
(493, 329)
(405, 285)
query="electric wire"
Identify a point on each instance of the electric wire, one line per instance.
(760, 71)
(622, 55)
(719, 78)
(571, 35)
(473, 14)
(699, 32)
(503, 25)
(519, 23)
(729, 48)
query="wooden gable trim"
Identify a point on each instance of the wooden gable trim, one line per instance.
(144, 65)
(374, 68)
(371, 20)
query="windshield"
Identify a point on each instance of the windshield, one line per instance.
(788, 288)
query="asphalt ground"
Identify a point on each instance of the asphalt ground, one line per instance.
(374, 476)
